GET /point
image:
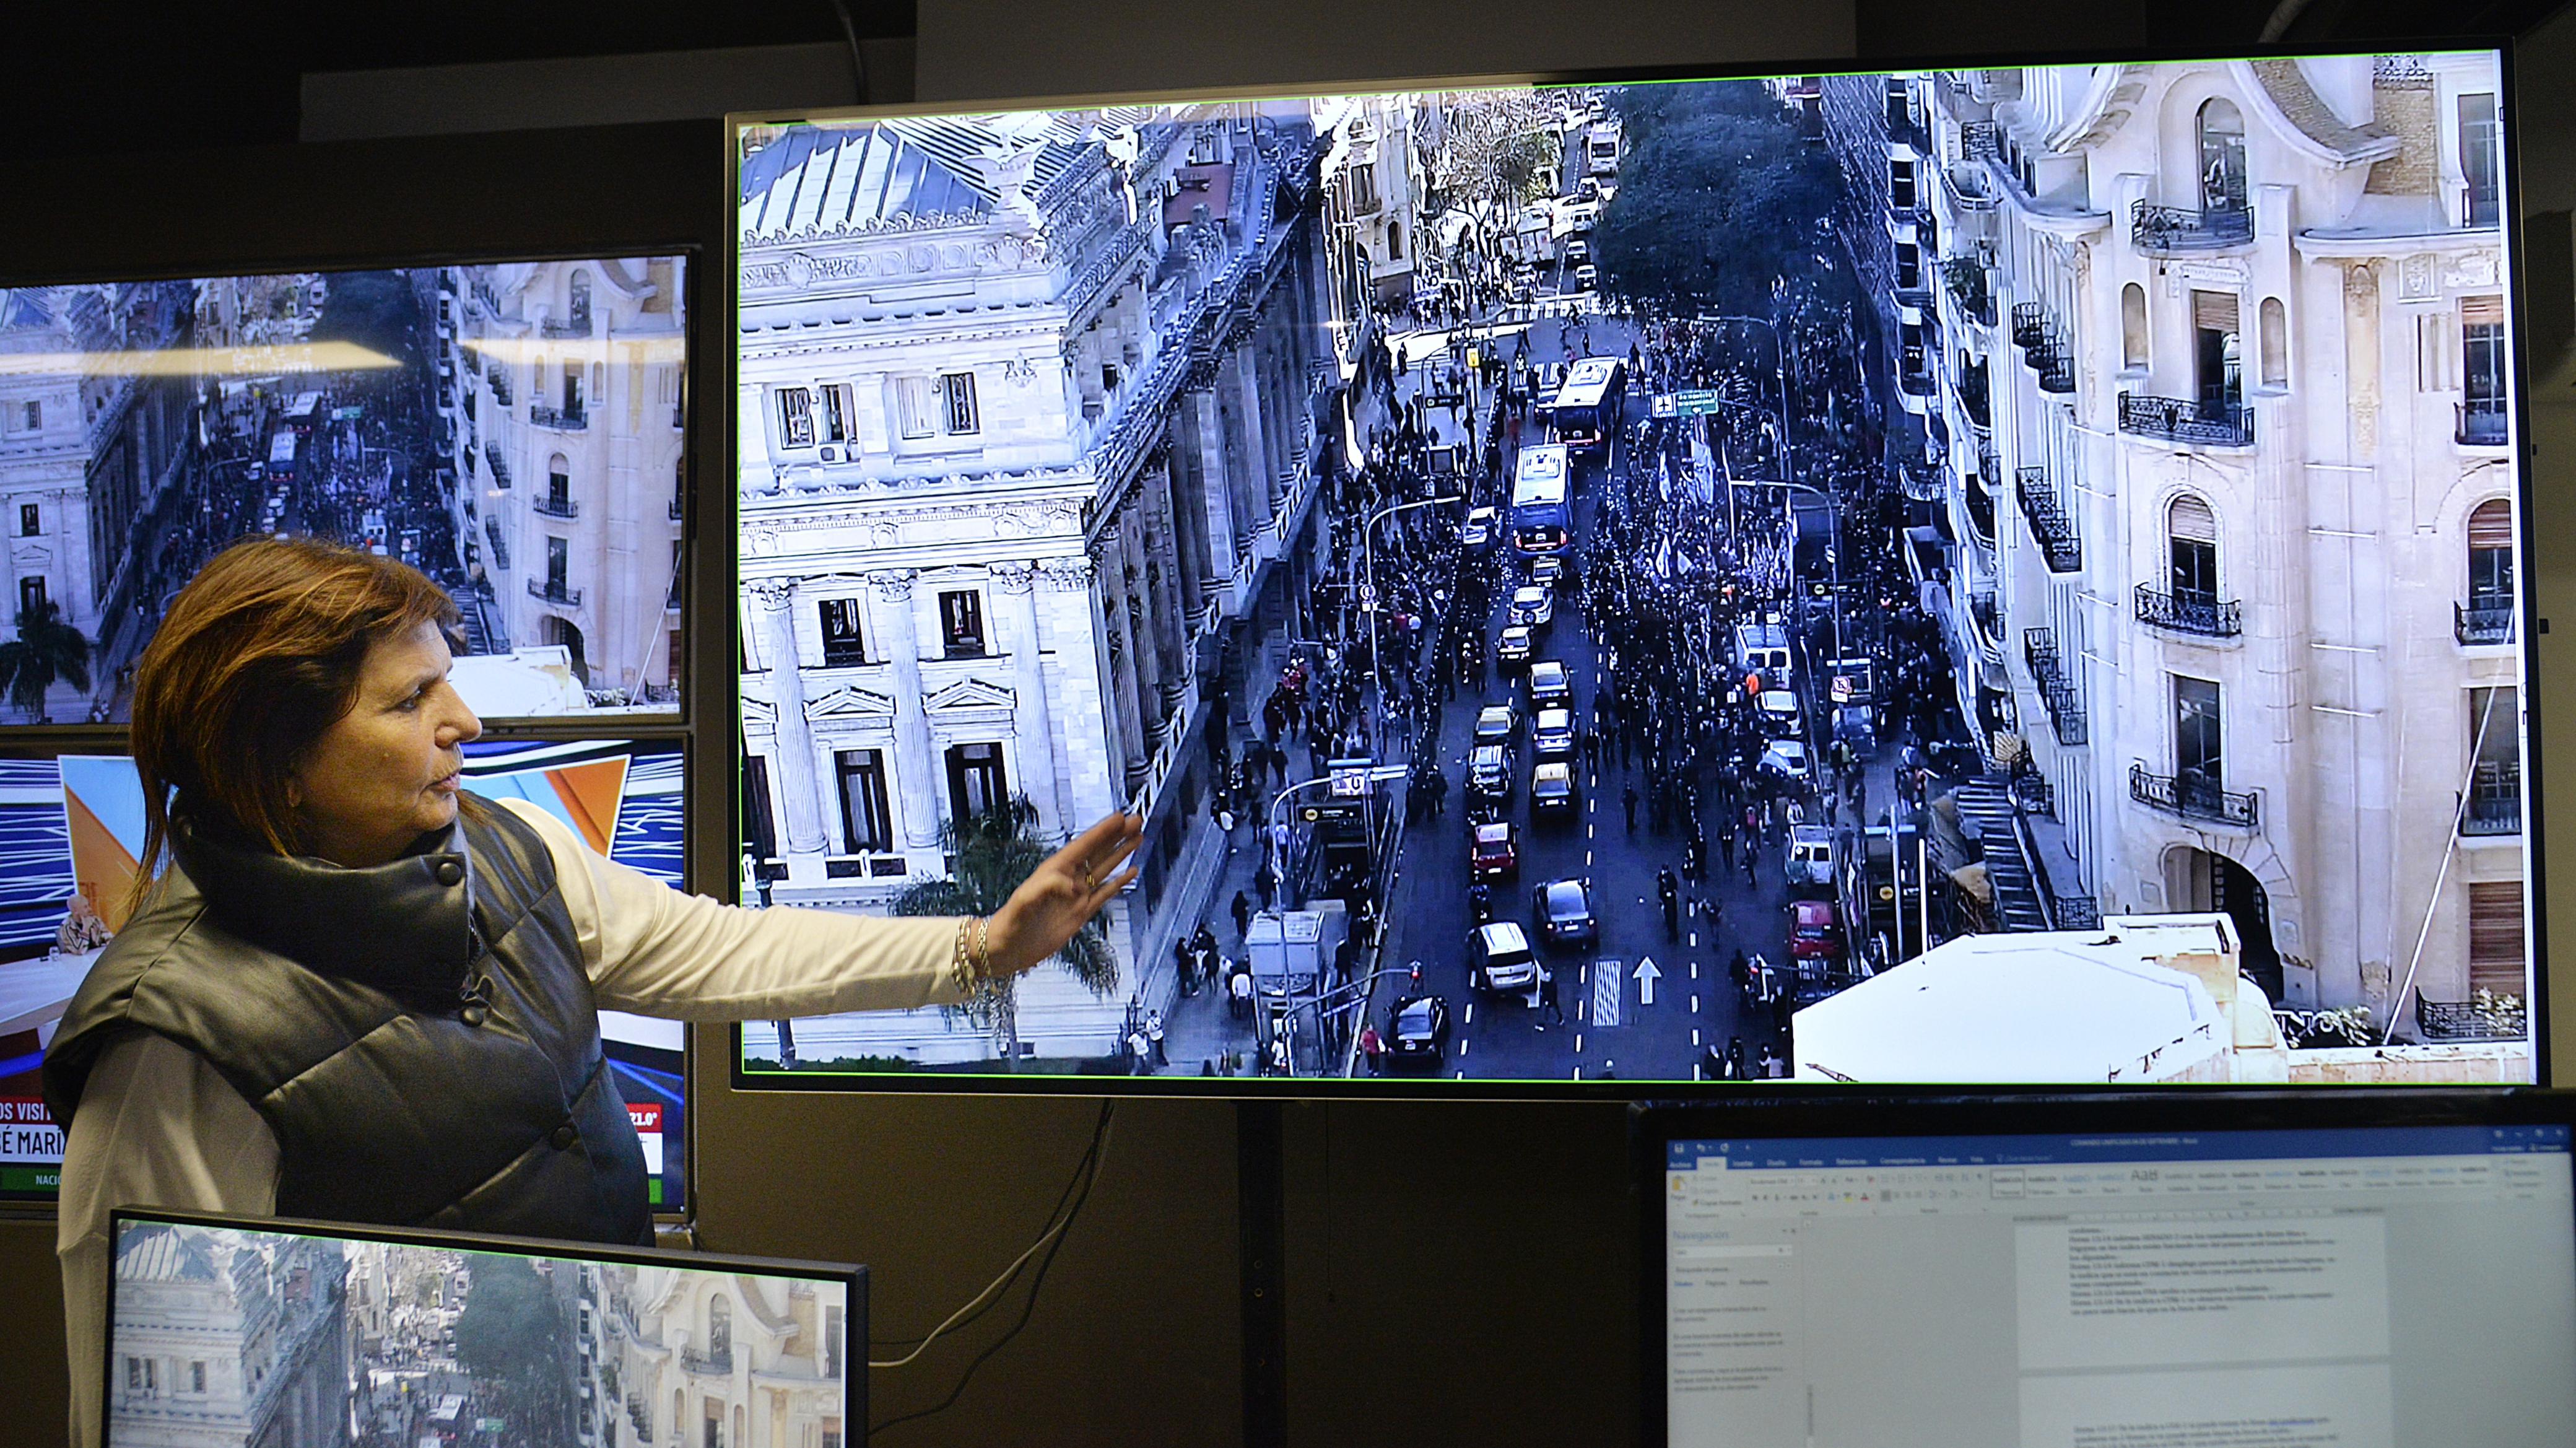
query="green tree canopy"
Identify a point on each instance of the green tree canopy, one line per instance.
(46, 650)
(510, 1327)
(1718, 196)
(993, 853)
(377, 310)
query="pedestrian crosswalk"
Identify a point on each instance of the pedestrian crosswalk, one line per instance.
(1606, 976)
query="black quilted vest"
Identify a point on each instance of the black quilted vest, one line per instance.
(420, 1036)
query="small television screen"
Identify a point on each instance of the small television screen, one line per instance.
(1934, 575)
(226, 1330)
(71, 833)
(515, 430)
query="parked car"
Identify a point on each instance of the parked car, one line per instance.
(1496, 854)
(1417, 1033)
(1586, 277)
(1563, 910)
(1489, 772)
(1497, 724)
(1550, 686)
(1786, 760)
(1552, 737)
(1552, 788)
(1782, 718)
(1513, 652)
(1499, 958)
(1476, 535)
(1810, 865)
(1533, 605)
(1815, 931)
(1548, 571)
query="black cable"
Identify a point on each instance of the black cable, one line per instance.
(858, 61)
(1081, 1165)
(1037, 1281)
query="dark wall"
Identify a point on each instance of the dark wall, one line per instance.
(1457, 1273)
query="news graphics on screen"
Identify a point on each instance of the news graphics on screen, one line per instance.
(71, 834)
(513, 429)
(1970, 575)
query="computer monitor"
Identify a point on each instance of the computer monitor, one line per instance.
(71, 832)
(514, 429)
(1975, 574)
(231, 1330)
(2173, 1271)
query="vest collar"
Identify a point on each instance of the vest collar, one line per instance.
(404, 926)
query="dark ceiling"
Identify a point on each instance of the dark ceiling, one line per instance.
(86, 79)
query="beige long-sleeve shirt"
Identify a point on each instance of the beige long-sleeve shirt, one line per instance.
(158, 1127)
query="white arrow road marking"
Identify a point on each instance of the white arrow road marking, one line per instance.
(1647, 975)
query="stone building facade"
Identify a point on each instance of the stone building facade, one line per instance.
(1033, 412)
(2227, 496)
(224, 1340)
(708, 1359)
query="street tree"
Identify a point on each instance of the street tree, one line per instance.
(1717, 198)
(1493, 148)
(510, 1332)
(46, 651)
(995, 852)
(375, 310)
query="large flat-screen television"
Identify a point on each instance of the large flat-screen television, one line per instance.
(514, 429)
(71, 831)
(1976, 575)
(270, 1330)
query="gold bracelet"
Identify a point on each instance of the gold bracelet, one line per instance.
(984, 947)
(961, 964)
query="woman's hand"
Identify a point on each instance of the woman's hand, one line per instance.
(1063, 894)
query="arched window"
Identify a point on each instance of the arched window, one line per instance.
(1395, 241)
(2133, 325)
(559, 486)
(2222, 156)
(2191, 531)
(580, 308)
(720, 1330)
(2491, 555)
(2276, 344)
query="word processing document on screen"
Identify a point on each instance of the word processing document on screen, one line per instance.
(2345, 1288)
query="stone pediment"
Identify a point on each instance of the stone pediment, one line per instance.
(850, 702)
(969, 696)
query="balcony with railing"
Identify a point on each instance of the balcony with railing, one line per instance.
(2206, 423)
(2484, 1017)
(500, 466)
(1973, 398)
(2190, 613)
(1987, 616)
(1921, 481)
(2054, 361)
(2056, 691)
(501, 392)
(1914, 374)
(553, 507)
(500, 543)
(577, 325)
(1981, 140)
(2195, 797)
(1971, 287)
(1981, 508)
(718, 1362)
(548, 591)
(2484, 619)
(2481, 422)
(2029, 324)
(561, 419)
(2050, 527)
(2496, 812)
(2168, 230)
(1969, 189)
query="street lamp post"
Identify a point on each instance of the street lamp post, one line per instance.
(1279, 856)
(1368, 565)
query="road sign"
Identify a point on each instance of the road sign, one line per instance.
(1606, 981)
(1842, 688)
(1647, 975)
(1695, 401)
(1350, 777)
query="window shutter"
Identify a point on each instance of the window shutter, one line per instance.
(2213, 311)
(2491, 524)
(2192, 522)
(2496, 938)
(2482, 311)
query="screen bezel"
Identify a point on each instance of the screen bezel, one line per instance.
(726, 302)
(694, 382)
(851, 1276)
(1653, 1124)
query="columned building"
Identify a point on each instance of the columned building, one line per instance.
(1033, 415)
(2223, 370)
(44, 483)
(571, 465)
(226, 1341)
(706, 1358)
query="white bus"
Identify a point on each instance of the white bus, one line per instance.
(1587, 409)
(1540, 520)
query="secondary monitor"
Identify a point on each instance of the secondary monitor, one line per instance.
(1936, 574)
(2069, 1276)
(229, 1330)
(71, 831)
(513, 429)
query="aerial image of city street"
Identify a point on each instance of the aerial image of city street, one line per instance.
(233, 1337)
(1934, 576)
(512, 430)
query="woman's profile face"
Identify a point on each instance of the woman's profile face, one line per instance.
(386, 773)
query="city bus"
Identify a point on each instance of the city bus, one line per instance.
(1586, 410)
(1540, 520)
(281, 453)
(305, 413)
